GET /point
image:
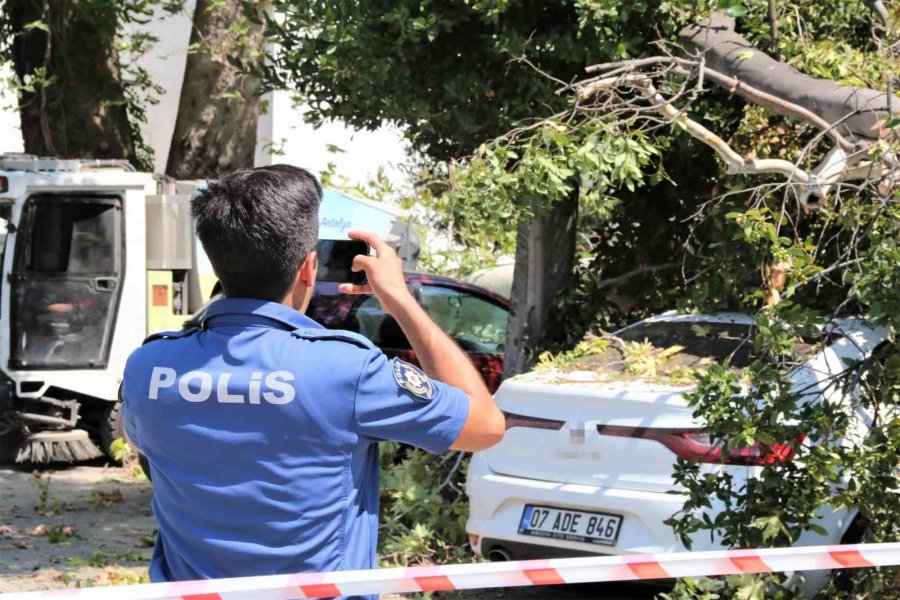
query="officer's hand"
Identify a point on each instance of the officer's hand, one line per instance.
(384, 273)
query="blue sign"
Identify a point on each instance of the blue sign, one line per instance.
(339, 214)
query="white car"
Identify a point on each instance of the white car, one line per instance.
(586, 465)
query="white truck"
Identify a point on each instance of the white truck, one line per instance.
(96, 257)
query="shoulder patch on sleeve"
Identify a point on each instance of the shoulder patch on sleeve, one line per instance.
(170, 335)
(411, 378)
(333, 334)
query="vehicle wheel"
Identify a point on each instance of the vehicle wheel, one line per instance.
(856, 533)
(107, 419)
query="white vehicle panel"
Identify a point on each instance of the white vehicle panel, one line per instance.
(552, 396)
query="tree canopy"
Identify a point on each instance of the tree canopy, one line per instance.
(457, 75)
(447, 72)
(82, 92)
(692, 183)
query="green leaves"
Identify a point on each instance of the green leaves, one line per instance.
(771, 528)
(875, 283)
(37, 25)
(784, 498)
(501, 146)
(423, 510)
(485, 196)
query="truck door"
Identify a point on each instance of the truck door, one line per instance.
(66, 281)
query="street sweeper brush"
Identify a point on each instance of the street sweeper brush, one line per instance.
(57, 447)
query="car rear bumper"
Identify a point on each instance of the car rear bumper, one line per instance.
(496, 503)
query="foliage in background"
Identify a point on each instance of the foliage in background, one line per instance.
(423, 507)
(125, 454)
(81, 91)
(448, 75)
(659, 224)
(440, 70)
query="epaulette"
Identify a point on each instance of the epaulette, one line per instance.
(310, 333)
(170, 335)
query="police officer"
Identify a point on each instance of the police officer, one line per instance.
(261, 428)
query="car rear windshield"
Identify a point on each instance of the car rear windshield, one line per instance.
(726, 343)
(730, 343)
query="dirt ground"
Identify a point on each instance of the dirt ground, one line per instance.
(78, 526)
(91, 525)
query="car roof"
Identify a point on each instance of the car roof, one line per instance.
(427, 278)
(327, 288)
(835, 327)
(673, 316)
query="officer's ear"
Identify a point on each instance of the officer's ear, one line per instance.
(309, 269)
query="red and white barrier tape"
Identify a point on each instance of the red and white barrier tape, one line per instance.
(495, 575)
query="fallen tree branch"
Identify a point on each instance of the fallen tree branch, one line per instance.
(837, 166)
(774, 103)
(634, 64)
(880, 9)
(687, 69)
(853, 110)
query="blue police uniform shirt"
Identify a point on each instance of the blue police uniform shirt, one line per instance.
(262, 430)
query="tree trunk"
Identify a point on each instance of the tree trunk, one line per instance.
(215, 131)
(545, 255)
(854, 110)
(77, 107)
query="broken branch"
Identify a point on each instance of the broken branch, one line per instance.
(835, 168)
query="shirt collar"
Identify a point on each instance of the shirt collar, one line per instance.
(251, 307)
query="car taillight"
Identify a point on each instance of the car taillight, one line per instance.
(514, 420)
(694, 445)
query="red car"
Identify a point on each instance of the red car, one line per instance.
(474, 317)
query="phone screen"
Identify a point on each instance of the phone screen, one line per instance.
(336, 259)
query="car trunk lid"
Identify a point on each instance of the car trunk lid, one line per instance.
(578, 432)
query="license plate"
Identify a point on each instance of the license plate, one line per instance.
(571, 525)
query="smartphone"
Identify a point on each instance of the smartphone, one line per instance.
(336, 260)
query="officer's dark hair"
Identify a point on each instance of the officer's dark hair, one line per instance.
(257, 227)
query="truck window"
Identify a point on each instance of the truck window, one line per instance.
(66, 281)
(74, 238)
